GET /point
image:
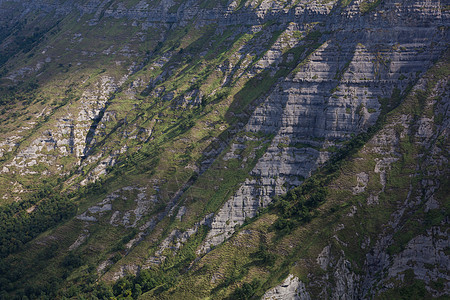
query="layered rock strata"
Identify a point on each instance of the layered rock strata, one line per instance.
(335, 93)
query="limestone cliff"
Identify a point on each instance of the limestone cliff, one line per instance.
(168, 139)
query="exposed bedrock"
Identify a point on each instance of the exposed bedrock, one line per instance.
(334, 94)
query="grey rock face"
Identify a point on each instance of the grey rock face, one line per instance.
(73, 135)
(80, 240)
(362, 180)
(330, 97)
(346, 286)
(423, 250)
(292, 288)
(324, 258)
(423, 255)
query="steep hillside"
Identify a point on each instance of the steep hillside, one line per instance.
(224, 149)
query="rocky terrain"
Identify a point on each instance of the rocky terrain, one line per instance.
(225, 149)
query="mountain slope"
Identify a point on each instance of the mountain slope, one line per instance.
(153, 136)
(384, 214)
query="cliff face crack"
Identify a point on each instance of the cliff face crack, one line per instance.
(92, 129)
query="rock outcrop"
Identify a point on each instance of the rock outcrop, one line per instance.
(333, 95)
(292, 288)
